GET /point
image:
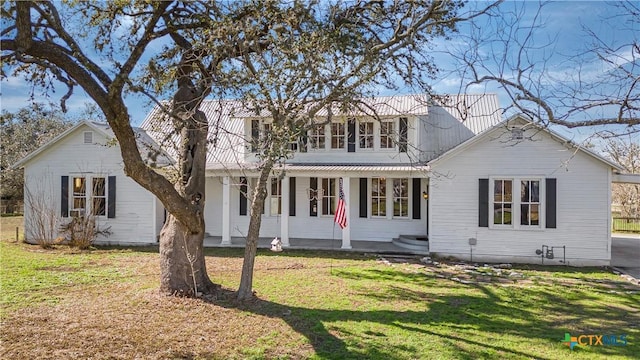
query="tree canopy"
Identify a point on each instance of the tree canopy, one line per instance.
(289, 60)
(22, 132)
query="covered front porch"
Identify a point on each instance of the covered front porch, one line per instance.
(360, 246)
(383, 202)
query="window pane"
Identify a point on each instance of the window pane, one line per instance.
(524, 191)
(383, 207)
(98, 187)
(535, 191)
(79, 186)
(507, 191)
(524, 214)
(325, 205)
(79, 203)
(99, 206)
(507, 214)
(497, 213)
(535, 215)
(497, 191)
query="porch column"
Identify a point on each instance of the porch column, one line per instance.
(284, 216)
(226, 211)
(346, 232)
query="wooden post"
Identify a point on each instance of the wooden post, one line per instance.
(17, 234)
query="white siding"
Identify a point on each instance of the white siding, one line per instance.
(133, 223)
(582, 201)
(302, 225)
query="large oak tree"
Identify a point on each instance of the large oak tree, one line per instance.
(288, 61)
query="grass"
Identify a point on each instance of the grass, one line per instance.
(318, 305)
(626, 226)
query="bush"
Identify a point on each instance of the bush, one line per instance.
(82, 231)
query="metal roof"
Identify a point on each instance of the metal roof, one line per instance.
(478, 112)
(328, 168)
(226, 133)
(226, 122)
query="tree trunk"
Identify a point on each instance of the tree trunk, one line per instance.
(245, 291)
(182, 265)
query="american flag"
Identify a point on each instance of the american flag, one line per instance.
(341, 215)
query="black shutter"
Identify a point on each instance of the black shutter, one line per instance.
(351, 135)
(111, 208)
(551, 203)
(313, 203)
(64, 198)
(255, 135)
(417, 195)
(303, 140)
(483, 203)
(363, 197)
(243, 195)
(292, 196)
(402, 135)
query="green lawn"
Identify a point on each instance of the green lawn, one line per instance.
(626, 226)
(104, 304)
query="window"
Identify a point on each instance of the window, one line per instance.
(275, 199)
(328, 195)
(316, 137)
(99, 197)
(378, 197)
(265, 134)
(502, 202)
(260, 134)
(293, 145)
(337, 135)
(530, 202)
(403, 134)
(387, 131)
(365, 131)
(401, 197)
(79, 196)
(255, 135)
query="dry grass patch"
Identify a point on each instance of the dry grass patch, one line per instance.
(104, 304)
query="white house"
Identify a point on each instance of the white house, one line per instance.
(81, 171)
(450, 171)
(515, 188)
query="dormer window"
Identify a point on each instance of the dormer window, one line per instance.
(317, 138)
(365, 135)
(87, 137)
(387, 134)
(337, 135)
(260, 134)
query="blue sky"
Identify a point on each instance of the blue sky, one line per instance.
(562, 27)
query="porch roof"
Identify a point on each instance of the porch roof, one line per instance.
(334, 169)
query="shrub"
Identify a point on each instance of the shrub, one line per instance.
(82, 231)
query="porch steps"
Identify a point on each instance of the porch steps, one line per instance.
(417, 243)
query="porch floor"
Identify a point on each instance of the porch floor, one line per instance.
(320, 244)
